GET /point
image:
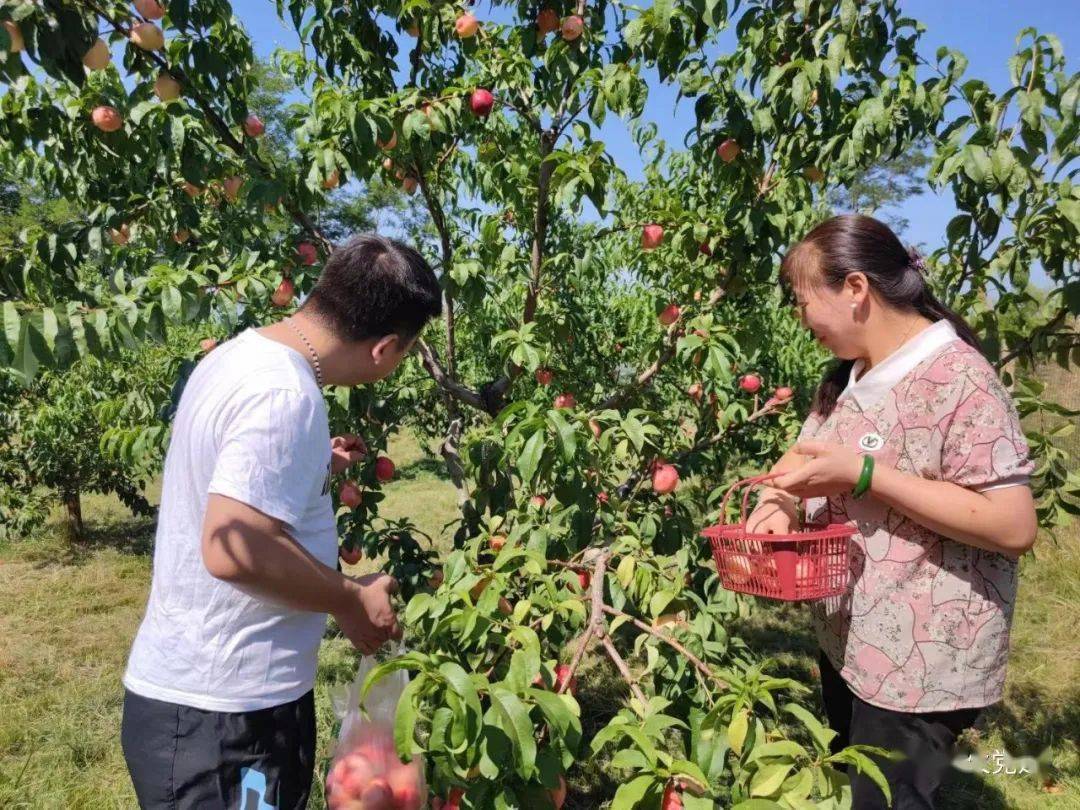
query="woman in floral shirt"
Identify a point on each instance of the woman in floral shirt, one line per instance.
(913, 418)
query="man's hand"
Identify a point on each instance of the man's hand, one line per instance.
(367, 618)
(832, 469)
(345, 451)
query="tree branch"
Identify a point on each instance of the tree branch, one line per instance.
(444, 380)
(624, 670)
(1026, 343)
(701, 666)
(595, 627)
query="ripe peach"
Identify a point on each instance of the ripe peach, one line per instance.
(466, 26)
(284, 293)
(384, 469)
(547, 21)
(750, 383)
(350, 495)
(481, 101)
(350, 556)
(405, 785)
(147, 36)
(651, 236)
(671, 799)
(106, 118)
(665, 479)
(728, 150)
(253, 126)
(558, 795)
(150, 9)
(306, 253)
(388, 145)
(670, 314)
(97, 58)
(166, 87)
(563, 679)
(572, 27)
(232, 187)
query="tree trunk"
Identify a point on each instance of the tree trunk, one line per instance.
(73, 507)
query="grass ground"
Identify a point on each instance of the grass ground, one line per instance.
(67, 618)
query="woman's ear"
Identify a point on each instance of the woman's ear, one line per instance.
(856, 288)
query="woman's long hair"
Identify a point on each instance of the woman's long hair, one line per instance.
(855, 243)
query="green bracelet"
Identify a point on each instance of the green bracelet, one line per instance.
(862, 486)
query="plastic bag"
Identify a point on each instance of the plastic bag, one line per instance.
(366, 773)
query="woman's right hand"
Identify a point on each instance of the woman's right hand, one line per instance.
(776, 513)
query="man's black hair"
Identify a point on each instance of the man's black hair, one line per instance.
(373, 286)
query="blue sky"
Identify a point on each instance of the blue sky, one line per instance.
(984, 30)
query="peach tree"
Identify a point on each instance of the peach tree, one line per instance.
(614, 350)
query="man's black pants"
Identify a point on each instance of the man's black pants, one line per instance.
(926, 739)
(180, 757)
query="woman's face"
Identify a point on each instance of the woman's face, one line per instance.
(828, 312)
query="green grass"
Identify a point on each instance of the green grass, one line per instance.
(67, 618)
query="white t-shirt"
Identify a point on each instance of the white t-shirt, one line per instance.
(251, 425)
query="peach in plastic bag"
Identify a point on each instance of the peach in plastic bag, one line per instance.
(366, 773)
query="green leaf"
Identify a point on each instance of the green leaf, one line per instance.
(515, 722)
(463, 686)
(977, 165)
(661, 15)
(566, 433)
(530, 457)
(405, 719)
(737, 729)
(560, 711)
(630, 794)
(781, 748)
(822, 735)
(767, 780)
(635, 432)
(866, 766)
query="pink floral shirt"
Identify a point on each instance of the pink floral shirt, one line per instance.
(924, 624)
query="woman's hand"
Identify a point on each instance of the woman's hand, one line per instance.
(775, 513)
(831, 469)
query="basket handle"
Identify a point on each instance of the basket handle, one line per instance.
(752, 482)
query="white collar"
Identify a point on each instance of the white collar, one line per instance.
(885, 376)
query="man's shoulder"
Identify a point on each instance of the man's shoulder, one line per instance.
(250, 367)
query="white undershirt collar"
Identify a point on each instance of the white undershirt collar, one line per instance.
(885, 376)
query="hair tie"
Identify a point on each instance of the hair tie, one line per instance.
(915, 260)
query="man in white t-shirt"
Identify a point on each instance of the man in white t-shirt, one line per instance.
(219, 708)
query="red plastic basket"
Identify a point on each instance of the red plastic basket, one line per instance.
(809, 564)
